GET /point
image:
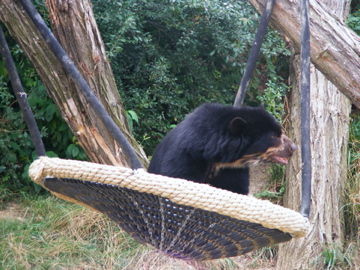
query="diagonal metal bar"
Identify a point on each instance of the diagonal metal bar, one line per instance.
(21, 96)
(74, 73)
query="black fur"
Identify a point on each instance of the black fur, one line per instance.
(214, 134)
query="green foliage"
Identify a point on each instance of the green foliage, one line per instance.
(334, 257)
(132, 118)
(56, 134)
(15, 143)
(169, 57)
(266, 194)
(353, 20)
(330, 257)
(272, 98)
(276, 188)
(354, 146)
(352, 186)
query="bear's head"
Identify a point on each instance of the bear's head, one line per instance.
(245, 136)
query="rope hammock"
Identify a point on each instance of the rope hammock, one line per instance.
(181, 218)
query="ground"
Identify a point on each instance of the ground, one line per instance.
(63, 239)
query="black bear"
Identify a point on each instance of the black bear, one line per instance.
(216, 143)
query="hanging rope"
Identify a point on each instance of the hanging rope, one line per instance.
(21, 96)
(305, 110)
(254, 53)
(79, 80)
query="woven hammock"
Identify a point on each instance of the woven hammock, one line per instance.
(183, 219)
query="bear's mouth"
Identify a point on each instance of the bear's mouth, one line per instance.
(282, 153)
(279, 159)
(278, 154)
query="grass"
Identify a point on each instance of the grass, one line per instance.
(43, 232)
(46, 233)
(352, 186)
(334, 257)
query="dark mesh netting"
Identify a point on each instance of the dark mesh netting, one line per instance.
(179, 231)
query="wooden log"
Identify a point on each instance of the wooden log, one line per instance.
(87, 51)
(335, 49)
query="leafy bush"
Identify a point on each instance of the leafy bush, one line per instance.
(15, 144)
(167, 57)
(353, 20)
(170, 57)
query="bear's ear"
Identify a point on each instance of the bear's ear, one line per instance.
(237, 125)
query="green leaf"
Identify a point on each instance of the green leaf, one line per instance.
(51, 154)
(51, 110)
(133, 115)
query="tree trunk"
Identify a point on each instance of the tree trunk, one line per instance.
(259, 178)
(330, 117)
(75, 26)
(335, 49)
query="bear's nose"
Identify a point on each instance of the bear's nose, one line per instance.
(288, 144)
(293, 147)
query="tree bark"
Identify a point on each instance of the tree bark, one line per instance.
(330, 117)
(75, 26)
(259, 178)
(335, 49)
